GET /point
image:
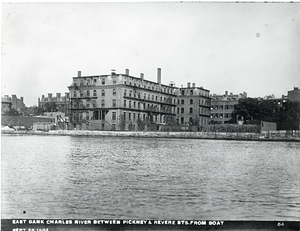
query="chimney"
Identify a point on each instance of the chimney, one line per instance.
(159, 76)
(79, 73)
(142, 75)
(226, 93)
(57, 95)
(194, 85)
(43, 96)
(188, 85)
(126, 71)
(49, 95)
(22, 99)
(67, 94)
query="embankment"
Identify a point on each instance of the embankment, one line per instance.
(149, 134)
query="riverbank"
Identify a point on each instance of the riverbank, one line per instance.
(149, 134)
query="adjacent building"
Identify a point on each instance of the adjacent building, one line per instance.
(294, 95)
(222, 106)
(13, 102)
(192, 105)
(120, 102)
(57, 103)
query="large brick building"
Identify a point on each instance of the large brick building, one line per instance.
(120, 101)
(193, 105)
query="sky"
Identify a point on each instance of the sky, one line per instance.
(234, 47)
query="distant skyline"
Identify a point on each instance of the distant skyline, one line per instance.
(234, 47)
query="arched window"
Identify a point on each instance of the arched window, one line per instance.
(75, 93)
(103, 92)
(114, 92)
(191, 110)
(182, 101)
(191, 101)
(125, 92)
(130, 92)
(94, 93)
(114, 103)
(88, 93)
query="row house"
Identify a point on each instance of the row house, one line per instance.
(192, 105)
(222, 106)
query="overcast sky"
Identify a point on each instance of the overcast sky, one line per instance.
(251, 47)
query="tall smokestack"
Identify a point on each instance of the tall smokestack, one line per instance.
(142, 75)
(79, 73)
(159, 76)
(226, 93)
(127, 71)
(188, 85)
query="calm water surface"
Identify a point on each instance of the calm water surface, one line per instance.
(107, 177)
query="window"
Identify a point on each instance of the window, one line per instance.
(148, 96)
(75, 93)
(114, 116)
(134, 104)
(124, 116)
(87, 105)
(144, 95)
(113, 127)
(129, 116)
(130, 92)
(191, 92)
(152, 97)
(94, 104)
(139, 105)
(88, 93)
(103, 81)
(125, 92)
(182, 110)
(114, 103)
(133, 116)
(144, 117)
(103, 92)
(102, 103)
(94, 93)
(114, 81)
(191, 101)
(191, 110)
(182, 92)
(182, 101)
(95, 80)
(124, 103)
(182, 120)
(114, 92)
(88, 82)
(178, 110)
(129, 104)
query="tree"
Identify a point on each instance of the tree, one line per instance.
(255, 109)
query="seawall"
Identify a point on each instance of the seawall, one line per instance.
(149, 134)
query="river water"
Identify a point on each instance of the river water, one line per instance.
(144, 178)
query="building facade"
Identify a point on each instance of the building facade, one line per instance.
(120, 102)
(55, 103)
(294, 95)
(222, 106)
(192, 105)
(13, 102)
